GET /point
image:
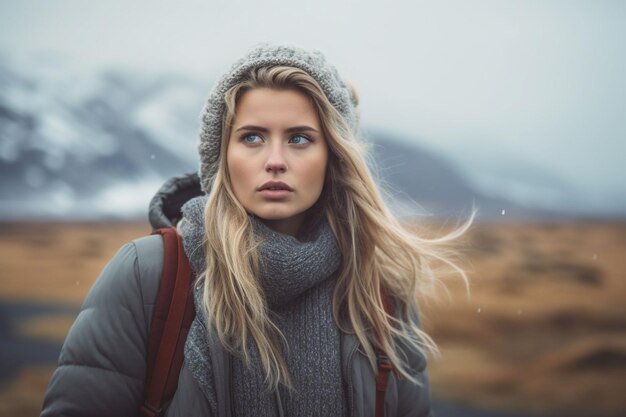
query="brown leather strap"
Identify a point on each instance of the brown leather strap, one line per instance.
(384, 365)
(167, 338)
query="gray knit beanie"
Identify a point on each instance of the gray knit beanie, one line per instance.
(265, 55)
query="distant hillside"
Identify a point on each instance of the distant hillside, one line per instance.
(78, 147)
(419, 177)
(66, 145)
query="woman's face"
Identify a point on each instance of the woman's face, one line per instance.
(277, 156)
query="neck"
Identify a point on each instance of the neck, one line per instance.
(297, 225)
(290, 226)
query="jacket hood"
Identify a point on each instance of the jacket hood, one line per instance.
(165, 207)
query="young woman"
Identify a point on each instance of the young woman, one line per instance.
(294, 251)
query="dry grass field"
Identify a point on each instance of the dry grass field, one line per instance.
(544, 327)
(542, 330)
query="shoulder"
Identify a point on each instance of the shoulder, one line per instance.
(102, 364)
(149, 252)
(131, 276)
(121, 300)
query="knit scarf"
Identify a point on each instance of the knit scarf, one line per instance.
(297, 278)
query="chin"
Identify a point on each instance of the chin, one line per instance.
(274, 215)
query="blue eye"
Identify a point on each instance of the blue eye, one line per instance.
(251, 138)
(300, 140)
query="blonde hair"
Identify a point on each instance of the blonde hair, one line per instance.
(378, 253)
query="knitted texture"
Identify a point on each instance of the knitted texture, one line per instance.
(297, 278)
(266, 55)
(312, 358)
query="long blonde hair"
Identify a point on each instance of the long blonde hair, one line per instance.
(378, 253)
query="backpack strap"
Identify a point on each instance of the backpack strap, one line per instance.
(173, 313)
(384, 365)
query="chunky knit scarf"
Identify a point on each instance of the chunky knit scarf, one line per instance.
(297, 277)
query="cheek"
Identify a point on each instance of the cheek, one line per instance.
(315, 173)
(238, 171)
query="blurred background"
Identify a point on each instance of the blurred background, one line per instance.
(517, 108)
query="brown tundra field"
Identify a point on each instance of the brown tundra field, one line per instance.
(542, 330)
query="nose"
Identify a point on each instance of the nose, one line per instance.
(276, 160)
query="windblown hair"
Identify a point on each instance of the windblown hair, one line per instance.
(379, 255)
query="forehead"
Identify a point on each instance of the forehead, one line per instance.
(272, 106)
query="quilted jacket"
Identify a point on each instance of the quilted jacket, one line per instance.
(102, 365)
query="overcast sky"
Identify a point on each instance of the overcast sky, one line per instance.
(540, 82)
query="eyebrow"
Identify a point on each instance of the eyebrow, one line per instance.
(289, 130)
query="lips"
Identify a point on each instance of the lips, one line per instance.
(275, 185)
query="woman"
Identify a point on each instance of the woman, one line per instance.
(293, 249)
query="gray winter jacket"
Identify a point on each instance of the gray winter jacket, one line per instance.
(102, 365)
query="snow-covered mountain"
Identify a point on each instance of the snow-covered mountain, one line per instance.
(92, 146)
(76, 146)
